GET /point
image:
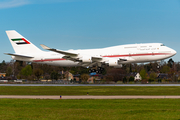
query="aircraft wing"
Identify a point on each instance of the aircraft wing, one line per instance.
(68, 55)
(74, 56)
(59, 51)
(18, 55)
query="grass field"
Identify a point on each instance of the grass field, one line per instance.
(92, 90)
(90, 109)
(126, 109)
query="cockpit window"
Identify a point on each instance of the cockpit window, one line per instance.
(162, 45)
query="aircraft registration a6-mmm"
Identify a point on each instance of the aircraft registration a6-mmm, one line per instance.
(112, 56)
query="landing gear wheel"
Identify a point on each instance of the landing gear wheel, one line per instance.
(98, 72)
(94, 70)
(100, 69)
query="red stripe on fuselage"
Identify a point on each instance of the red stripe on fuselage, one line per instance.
(145, 54)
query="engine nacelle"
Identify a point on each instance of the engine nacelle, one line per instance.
(113, 62)
(118, 66)
(86, 59)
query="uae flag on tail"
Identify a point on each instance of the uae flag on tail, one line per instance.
(20, 41)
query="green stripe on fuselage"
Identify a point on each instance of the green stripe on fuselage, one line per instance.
(16, 39)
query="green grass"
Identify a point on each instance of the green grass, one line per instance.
(92, 90)
(126, 109)
(90, 109)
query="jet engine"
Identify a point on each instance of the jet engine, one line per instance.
(113, 62)
(118, 66)
(86, 59)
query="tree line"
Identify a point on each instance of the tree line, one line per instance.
(148, 71)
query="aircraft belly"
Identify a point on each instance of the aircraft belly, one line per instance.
(140, 59)
(63, 63)
(149, 58)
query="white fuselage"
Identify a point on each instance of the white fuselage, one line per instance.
(133, 53)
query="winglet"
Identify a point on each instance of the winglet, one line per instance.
(45, 47)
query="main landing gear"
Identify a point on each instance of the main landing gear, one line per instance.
(98, 70)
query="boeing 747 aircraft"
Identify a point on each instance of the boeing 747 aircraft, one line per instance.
(111, 56)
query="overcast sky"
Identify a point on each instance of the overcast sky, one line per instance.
(81, 24)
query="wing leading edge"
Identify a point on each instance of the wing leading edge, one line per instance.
(59, 51)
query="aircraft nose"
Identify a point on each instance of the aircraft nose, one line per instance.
(173, 52)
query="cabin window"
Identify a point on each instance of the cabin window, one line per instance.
(162, 45)
(130, 47)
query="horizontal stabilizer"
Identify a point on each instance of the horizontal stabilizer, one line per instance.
(17, 55)
(59, 51)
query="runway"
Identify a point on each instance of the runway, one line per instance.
(85, 97)
(89, 84)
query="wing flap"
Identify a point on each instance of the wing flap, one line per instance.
(72, 59)
(97, 59)
(87, 64)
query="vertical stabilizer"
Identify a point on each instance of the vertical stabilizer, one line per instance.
(20, 44)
